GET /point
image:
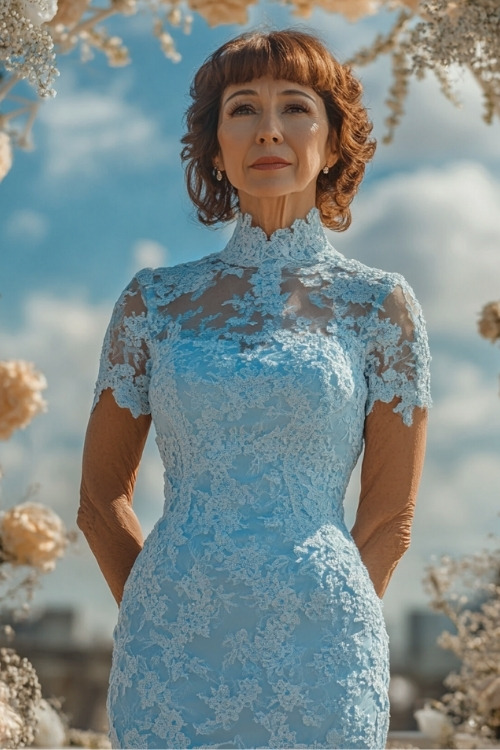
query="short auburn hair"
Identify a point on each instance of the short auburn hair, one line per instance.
(288, 55)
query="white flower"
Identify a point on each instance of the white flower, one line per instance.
(433, 724)
(50, 731)
(32, 534)
(38, 11)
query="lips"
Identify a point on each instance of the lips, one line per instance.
(270, 162)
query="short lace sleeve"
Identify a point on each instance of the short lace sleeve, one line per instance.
(125, 362)
(398, 359)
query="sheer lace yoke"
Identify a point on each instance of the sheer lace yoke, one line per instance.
(290, 293)
(304, 241)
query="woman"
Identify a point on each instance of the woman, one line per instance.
(251, 616)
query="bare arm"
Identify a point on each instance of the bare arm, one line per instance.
(390, 476)
(113, 448)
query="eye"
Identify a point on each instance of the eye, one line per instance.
(297, 107)
(241, 109)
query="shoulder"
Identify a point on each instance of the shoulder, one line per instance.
(166, 282)
(367, 284)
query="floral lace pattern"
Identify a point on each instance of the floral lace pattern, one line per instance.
(248, 619)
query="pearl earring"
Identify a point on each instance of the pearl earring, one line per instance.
(218, 175)
(326, 169)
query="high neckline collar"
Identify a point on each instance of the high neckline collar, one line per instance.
(304, 241)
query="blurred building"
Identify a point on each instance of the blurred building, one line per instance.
(417, 676)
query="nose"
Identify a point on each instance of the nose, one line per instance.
(269, 129)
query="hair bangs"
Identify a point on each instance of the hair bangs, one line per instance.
(282, 56)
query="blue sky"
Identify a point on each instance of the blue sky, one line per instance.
(103, 195)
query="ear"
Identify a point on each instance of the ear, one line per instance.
(218, 162)
(332, 152)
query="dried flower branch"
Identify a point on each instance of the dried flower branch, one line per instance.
(442, 34)
(467, 590)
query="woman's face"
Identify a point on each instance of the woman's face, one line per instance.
(274, 139)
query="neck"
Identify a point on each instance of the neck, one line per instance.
(271, 214)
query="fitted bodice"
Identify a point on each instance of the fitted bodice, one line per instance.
(272, 349)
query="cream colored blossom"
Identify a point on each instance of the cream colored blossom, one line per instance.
(453, 11)
(216, 12)
(69, 12)
(38, 11)
(411, 4)
(32, 534)
(353, 10)
(489, 695)
(50, 730)
(20, 397)
(11, 724)
(5, 155)
(489, 322)
(127, 7)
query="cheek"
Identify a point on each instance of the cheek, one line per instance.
(314, 146)
(230, 144)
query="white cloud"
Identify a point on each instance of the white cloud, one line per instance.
(468, 393)
(86, 132)
(148, 254)
(26, 225)
(441, 229)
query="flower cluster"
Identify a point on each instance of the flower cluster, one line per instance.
(20, 695)
(32, 534)
(20, 395)
(27, 47)
(467, 590)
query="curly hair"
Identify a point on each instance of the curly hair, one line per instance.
(289, 55)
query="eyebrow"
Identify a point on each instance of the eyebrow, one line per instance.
(252, 92)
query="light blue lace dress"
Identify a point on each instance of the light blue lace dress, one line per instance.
(248, 619)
